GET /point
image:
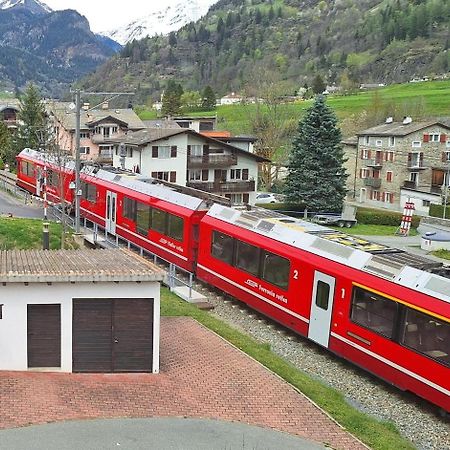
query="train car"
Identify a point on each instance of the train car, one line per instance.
(380, 308)
(153, 216)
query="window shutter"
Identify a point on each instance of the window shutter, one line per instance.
(189, 150)
(362, 154)
(88, 150)
(154, 174)
(426, 137)
(245, 174)
(421, 158)
(360, 173)
(444, 157)
(173, 151)
(369, 154)
(386, 156)
(409, 158)
(392, 198)
(154, 152)
(443, 138)
(370, 195)
(383, 197)
(378, 195)
(173, 177)
(205, 174)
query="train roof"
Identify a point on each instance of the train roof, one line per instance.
(126, 180)
(412, 271)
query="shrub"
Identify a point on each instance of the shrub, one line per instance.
(380, 217)
(438, 211)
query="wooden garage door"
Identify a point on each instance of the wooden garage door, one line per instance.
(112, 335)
(44, 335)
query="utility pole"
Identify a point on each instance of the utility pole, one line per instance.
(77, 193)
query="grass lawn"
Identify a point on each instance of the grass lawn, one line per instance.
(378, 435)
(27, 234)
(374, 230)
(444, 254)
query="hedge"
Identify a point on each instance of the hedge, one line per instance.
(381, 217)
(438, 211)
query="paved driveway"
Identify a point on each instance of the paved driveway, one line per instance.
(202, 376)
(16, 207)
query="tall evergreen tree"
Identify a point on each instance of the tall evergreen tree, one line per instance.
(7, 153)
(33, 130)
(318, 86)
(171, 102)
(316, 174)
(208, 99)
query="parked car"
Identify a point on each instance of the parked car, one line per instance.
(269, 197)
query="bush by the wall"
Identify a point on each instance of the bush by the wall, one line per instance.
(380, 217)
(438, 211)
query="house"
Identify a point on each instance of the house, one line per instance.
(97, 128)
(9, 114)
(79, 311)
(396, 162)
(187, 158)
(243, 142)
(198, 124)
(231, 99)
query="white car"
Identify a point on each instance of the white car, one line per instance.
(269, 197)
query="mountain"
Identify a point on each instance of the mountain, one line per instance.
(238, 43)
(161, 21)
(50, 48)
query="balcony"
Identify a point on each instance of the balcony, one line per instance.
(426, 188)
(204, 161)
(372, 182)
(105, 156)
(376, 163)
(416, 165)
(223, 187)
(100, 138)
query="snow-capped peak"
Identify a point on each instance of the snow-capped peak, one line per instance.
(35, 6)
(171, 18)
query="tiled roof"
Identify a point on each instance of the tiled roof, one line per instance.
(399, 129)
(67, 116)
(58, 266)
(148, 135)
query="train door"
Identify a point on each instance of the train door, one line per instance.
(321, 308)
(111, 212)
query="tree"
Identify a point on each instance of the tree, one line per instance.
(208, 99)
(33, 120)
(316, 174)
(7, 154)
(190, 101)
(171, 102)
(318, 86)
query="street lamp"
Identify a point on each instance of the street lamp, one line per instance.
(447, 181)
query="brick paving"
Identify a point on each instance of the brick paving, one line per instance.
(202, 376)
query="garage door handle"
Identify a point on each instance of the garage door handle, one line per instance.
(116, 341)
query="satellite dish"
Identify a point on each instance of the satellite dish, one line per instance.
(72, 106)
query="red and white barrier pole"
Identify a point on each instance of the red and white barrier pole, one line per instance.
(408, 212)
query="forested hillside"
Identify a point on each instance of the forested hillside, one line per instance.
(346, 42)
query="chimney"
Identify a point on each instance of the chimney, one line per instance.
(86, 106)
(105, 105)
(389, 119)
(407, 120)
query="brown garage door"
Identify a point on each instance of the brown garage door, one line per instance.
(44, 335)
(112, 335)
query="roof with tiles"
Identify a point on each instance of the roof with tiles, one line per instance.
(399, 128)
(67, 116)
(87, 265)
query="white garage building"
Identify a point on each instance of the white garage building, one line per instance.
(79, 311)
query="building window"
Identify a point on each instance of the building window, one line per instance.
(84, 135)
(446, 157)
(387, 197)
(235, 174)
(161, 175)
(196, 150)
(161, 152)
(448, 143)
(391, 141)
(414, 177)
(434, 137)
(365, 173)
(426, 203)
(1, 311)
(245, 174)
(85, 150)
(373, 311)
(236, 199)
(195, 175)
(379, 143)
(365, 154)
(389, 175)
(366, 140)
(389, 156)
(416, 144)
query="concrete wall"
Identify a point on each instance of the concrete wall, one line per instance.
(16, 296)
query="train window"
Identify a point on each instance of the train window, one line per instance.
(175, 227)
(322, 295)
(373, 311)
(27, 168)
(89, 192)
(276, 270)
(222, 247)
(159, 221)
(52, 178)
(129, 209)
(427, 335)
(143, 214)
(247, 257)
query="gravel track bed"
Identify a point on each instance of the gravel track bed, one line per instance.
(416, 420)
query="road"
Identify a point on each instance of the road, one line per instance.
(16, 207)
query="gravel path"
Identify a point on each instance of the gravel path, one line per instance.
(416, 420)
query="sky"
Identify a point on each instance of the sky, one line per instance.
(105, 15)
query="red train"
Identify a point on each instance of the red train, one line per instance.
(383, 309)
